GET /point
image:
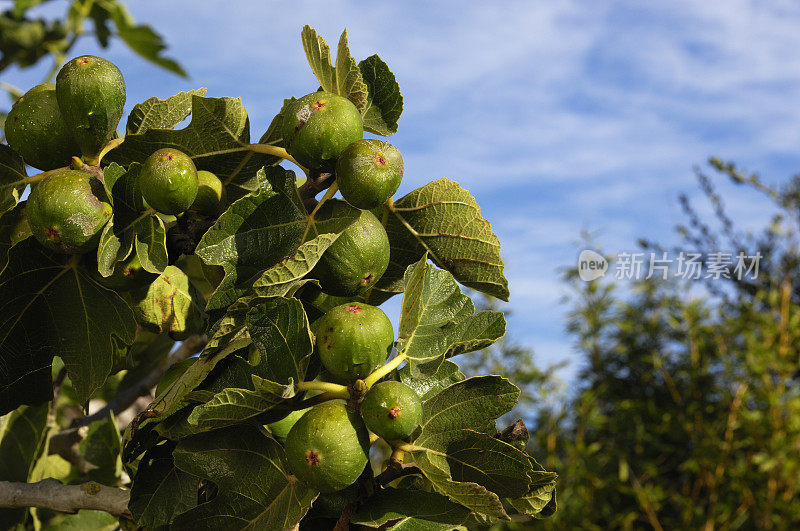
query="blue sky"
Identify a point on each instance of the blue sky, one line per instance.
(558, 116)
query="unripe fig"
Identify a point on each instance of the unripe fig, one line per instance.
(318, 127)
(168, 181)
(328, 447)
(128, 275)
(67, 211)
(354, 339)
(356, 260)
(368, 172)
(391, 410)
(171, 303)
(280, 428)
(91, 95)
(37, 131)
(211, 197)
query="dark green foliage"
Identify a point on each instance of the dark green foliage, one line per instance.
(207, 287)
(685, 414)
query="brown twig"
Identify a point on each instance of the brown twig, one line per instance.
(395, 471)
(315, 183)
(127, 397)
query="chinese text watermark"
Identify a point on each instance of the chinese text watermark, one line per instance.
(684, 265)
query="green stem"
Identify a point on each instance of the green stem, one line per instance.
(334, 390)
(275, 151)
(386, 369)
(373, 438)
(328, 194)
(111, 145)
(402, 446)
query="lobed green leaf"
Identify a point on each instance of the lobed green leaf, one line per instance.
(12, 178)
(443, 220)
(384, 103)
(409, 509)
(217, 139)
(256, 490)
(438, 321)
(155, 113)
(160, 491)
(56, 309)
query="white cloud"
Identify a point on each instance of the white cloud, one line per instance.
(586, 115)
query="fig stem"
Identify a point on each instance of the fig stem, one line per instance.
(335, 390)
(386, 369)
(373, 438)
(328, 194)
(402, 446)
(397, 456)
(115, 143)
(276, 151)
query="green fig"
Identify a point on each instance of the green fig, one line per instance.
(356, 260)
(318, 127)
(280, 428)
(91, 95)
(37, 131)
(67, 211)
(328, 447)
(368, 172)
(391, 410)
(211, 197)
(168, 181)
(171, 303)
(354, 339)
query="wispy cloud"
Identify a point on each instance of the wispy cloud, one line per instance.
(558, 116)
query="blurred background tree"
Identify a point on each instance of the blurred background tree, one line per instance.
(27, 38)
(686, 412)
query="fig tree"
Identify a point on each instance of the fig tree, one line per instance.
(354, 339)
(168, 181)
(328, 447)
(356, 260)
(37, 131)
(211, 196)
(67, 211)
(368, 172)
(91, 96)
(318, 127)
(391, 410)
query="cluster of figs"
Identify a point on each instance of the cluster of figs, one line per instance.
(65, 129)
(328, 444)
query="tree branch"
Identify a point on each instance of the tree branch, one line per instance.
(315, 183)
(397, 471)
(54, 495)
(125, 398)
